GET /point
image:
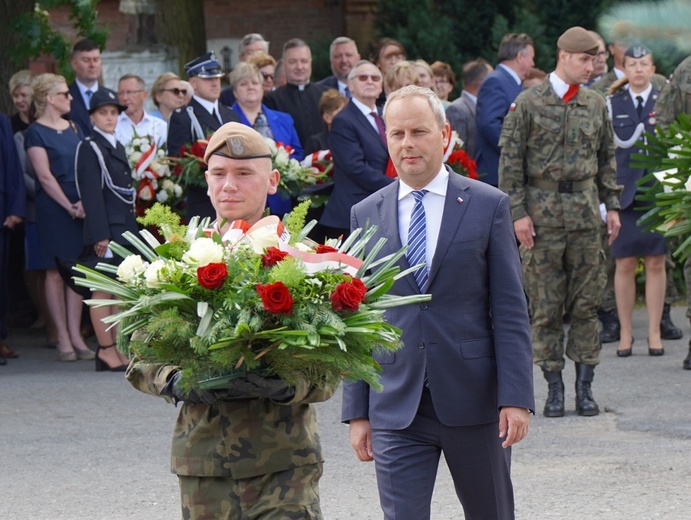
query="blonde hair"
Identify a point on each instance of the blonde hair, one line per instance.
(43, 86)
(399, 74)
(23, 78)
(261, 59)
(160, 84)
(245, 70)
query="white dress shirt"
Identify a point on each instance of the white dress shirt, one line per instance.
(82, 90)
(149, 125)
(367, 111)
(210, 107)
(433, 202)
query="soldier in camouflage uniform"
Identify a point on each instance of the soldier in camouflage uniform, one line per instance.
(675, 99)
(252, 450)
(557, 164)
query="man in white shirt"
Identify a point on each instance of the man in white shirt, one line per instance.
(134, 120)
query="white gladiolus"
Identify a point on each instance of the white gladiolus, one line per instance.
(131, 267)
(203, 251)
(154, 274)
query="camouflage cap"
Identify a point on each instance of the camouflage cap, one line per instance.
(637, 50)
(577, 39)
(237, 141)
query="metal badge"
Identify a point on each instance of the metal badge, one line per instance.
(236, 146)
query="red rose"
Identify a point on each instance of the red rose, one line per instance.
(347, 296)
(272, 256)
(212, 276)
(276, 298)
(321, 248)
(199, 148)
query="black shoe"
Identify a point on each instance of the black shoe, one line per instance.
(669, 330)
(554, 405)
(585, 404)
(626, 352)
(610, 326)
(103, 366)
(687, 361)
(655, 351)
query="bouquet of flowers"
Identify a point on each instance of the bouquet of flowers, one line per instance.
(668, 160)
(294, 176)
(190, 165)
(458, 159)
(261, 298)
(321, 161)
(153, 179)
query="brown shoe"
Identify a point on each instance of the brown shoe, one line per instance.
(7, 352)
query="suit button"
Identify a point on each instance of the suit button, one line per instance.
(421, 345)
(423, 306)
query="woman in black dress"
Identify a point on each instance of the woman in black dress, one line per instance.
(51, 143)
(104, 179)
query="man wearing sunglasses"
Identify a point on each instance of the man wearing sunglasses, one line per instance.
(358, 144)
(134, 119)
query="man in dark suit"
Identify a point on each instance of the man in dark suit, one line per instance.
(199, 119)
(343, 55)
(86, 62)
(358, 145)
(298, 97)
(498, 91)
(12, 210)
(462, 384)
(461, 112)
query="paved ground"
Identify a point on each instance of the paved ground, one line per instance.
(81, 445)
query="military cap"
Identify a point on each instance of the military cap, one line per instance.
(237, 141)
(104, 96)
(637, 50)
(577, 39)
(204, 66)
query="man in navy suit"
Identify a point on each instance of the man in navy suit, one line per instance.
(358, 145)
(202, 117)
(462, 384)
(12, 210)
(344, 55)
(498, 91)
(86, 62)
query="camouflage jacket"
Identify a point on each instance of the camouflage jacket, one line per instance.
(238, 439)
(675, 98)
(544, 138)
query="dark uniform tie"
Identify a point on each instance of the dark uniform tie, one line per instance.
(639, 105)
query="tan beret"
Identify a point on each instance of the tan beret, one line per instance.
(577, 39)
(237, 141)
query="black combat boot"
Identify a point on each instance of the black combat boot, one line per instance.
(669, 330)
(687, 361)
(610, 325)
(585, 404)
(554, 405)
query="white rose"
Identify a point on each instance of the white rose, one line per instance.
(177, 189)
(263, 237)
(135, 157)
(282, 159)
(162, 196)
(136, 142)
(131, 267)
(154, 274)
(146, 193)
(129, 151)
(160, 153)
(203, 251)
(272, 145)
(145, 147)
(155, 167)
(167, 185)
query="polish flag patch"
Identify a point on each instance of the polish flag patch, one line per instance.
(512, 107)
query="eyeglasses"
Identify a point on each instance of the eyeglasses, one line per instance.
(365, 77)
(266, 75)
(603, 54)
(66, 93)
(129, 92)
(176, 91)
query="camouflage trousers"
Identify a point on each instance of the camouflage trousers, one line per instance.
(292, 494)
(564, 272)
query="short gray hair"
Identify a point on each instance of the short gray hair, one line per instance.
(249, 39)
(359, 64)
(413, 90)
(340, 41)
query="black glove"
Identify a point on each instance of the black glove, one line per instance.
(254, 386)
(172, 389)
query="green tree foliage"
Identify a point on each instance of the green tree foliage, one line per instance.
(37, 36)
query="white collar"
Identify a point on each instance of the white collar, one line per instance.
(513, 73)
(209, 106)
(363, 108)
(472, 98)
(618, 73)
(109, 137)
(438, 185)
(559, 85)
(83, 88)
(645, 94)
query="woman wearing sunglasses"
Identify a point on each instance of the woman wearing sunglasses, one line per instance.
(168, 93)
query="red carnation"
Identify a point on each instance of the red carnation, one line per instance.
(347, 296)
(276, 298)
(272, 256)
(212, 276)
(322, 248)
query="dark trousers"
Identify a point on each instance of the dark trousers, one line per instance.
(407, 462)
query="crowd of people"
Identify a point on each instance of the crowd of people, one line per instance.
(556, 177)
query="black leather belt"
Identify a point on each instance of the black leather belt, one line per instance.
(561, 186)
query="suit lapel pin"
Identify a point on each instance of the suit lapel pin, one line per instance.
(459, 200)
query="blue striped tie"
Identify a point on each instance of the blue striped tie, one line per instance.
(417, 239)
